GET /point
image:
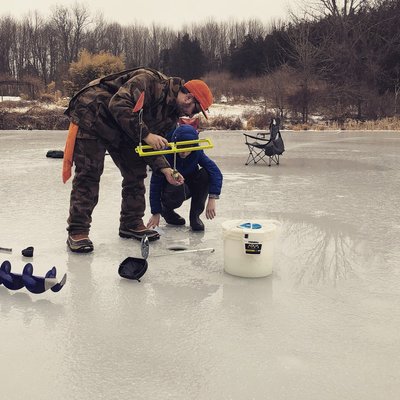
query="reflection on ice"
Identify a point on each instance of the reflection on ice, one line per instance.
(31, 310)
(317, 251)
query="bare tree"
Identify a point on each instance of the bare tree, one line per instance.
(256, 28)
(62, 28)
(80, 21)
(113, 39)
(396, 95)
(336, 8)
(305, 56)
(209, 37)
(95, 37)
(135, 45)
(8, 28)
(20, 50)
(39, 54)
(236, 32)
(69, 26)
(278, 87)
(160, 38)
(354, 49)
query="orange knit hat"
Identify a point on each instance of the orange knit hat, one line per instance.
(201, 92)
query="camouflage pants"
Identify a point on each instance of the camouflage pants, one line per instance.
(89, 156)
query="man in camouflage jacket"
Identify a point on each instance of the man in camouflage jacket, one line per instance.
(114, 114)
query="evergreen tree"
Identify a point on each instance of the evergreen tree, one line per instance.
(249, 59)
(184, 59)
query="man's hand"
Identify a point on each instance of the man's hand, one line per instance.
(173, 177)
(157, 142)
(210, 209)
(153, 221)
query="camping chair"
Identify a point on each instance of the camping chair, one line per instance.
(262, 148)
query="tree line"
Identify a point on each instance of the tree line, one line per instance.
(340, 58)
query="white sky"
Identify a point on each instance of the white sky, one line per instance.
(172, 13)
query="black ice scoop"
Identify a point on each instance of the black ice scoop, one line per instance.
(134, 268)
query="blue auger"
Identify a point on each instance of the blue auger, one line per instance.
(34, 284)
(8, 279)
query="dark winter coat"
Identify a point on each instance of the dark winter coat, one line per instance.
(104, 108)
(186, 166)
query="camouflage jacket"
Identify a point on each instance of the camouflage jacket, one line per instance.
(104, 107)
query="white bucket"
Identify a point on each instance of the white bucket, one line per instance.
(249, 247)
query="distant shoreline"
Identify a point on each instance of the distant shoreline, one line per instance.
(23, 115)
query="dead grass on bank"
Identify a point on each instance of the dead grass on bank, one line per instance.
(28, 116)
(236, 123)
(385, 124)
(223, 123)
(34, 115)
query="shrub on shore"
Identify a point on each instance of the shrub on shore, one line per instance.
(36, 117)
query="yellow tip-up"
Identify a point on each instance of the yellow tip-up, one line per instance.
(175, 147)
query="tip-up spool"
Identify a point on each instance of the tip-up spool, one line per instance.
(176, 147)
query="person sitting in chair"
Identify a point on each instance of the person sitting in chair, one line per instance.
(199, 184)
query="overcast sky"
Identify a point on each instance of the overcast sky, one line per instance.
(172, 13)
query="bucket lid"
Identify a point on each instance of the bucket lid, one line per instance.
(249, 225)
(258, 227)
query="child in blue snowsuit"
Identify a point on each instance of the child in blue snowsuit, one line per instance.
(203, 179)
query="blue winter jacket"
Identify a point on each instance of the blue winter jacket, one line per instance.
(186, 167)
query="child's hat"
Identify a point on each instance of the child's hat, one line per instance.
(185, 132)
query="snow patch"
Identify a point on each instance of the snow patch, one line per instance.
(10, 98)
(232, 110)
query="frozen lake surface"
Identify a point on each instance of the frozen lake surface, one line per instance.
(324, 326)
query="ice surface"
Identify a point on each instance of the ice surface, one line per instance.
(324, 326)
